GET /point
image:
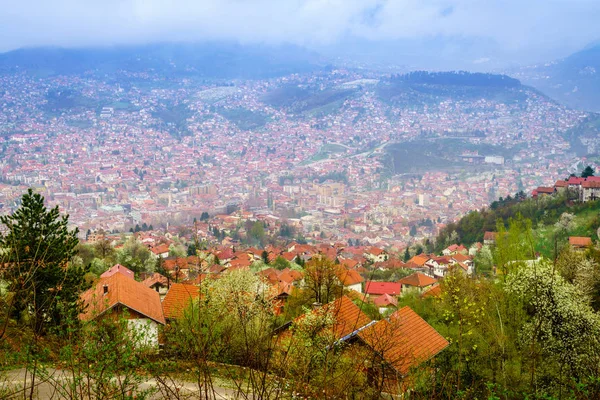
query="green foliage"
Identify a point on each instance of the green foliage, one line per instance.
(546, 210)
(104, 360)
(135, 256)
(37, 249)
(587, 172)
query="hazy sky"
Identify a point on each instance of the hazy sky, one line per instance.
(548, 27)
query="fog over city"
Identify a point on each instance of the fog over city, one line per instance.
(428, 33)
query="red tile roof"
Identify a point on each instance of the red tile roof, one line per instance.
(418, 280)
(178, 298)
(124, 291)
(590, 185)
(385, 300)
(118, 268)
(378, 288)
(405, 340)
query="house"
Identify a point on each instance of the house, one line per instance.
(454, 249)
(118, 269)
(590, 190)
(379, 288)
(158, 283)
(161, 250)
(416, 282)
(375, 254)
(178, 298)
(133, 300)
(579, 243)
(543, 191)
(403, 341)
(385, 303)
(350, 279)
(489, 238)
(438, 266)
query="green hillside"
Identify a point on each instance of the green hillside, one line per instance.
(544, 214)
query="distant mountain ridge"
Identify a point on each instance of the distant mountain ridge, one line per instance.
(210, 60)
(573, 81)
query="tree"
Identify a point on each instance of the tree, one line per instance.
(257, 233)
(321, 279)
(587, 172)
(413, 230)
(38, 247)
(135, 256)
(406, 255)
(265, 257)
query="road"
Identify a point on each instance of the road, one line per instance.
(16, 384)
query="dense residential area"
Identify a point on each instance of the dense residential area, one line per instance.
(312, 320)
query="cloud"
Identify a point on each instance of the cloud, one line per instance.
(515, 25)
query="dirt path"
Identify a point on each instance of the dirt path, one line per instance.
(16, 384)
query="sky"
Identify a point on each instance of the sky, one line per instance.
(475, 30)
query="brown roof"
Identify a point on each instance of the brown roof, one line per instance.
(178, 298)
(405, 340)
(418, 279)
(154, 279)
(590, 185)
(123, 291)
(545, 189)
(578, 241)
(160, 249)
(489, 236)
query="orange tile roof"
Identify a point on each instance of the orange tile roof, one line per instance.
(405, 340)
(579, 241)
(417, 279)
(461, 257)
(348, 277)
(433, 291)
(178, 298)
(347, 315)
(420, 260)
(122, 291)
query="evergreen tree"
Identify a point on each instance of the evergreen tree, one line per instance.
(38, 247)
(587, 172)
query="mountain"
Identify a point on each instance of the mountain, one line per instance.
(414, 89)
(573, 81)
(204, 60)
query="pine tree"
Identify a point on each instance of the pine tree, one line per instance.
(38, 247)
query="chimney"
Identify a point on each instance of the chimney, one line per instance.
(105, 287)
